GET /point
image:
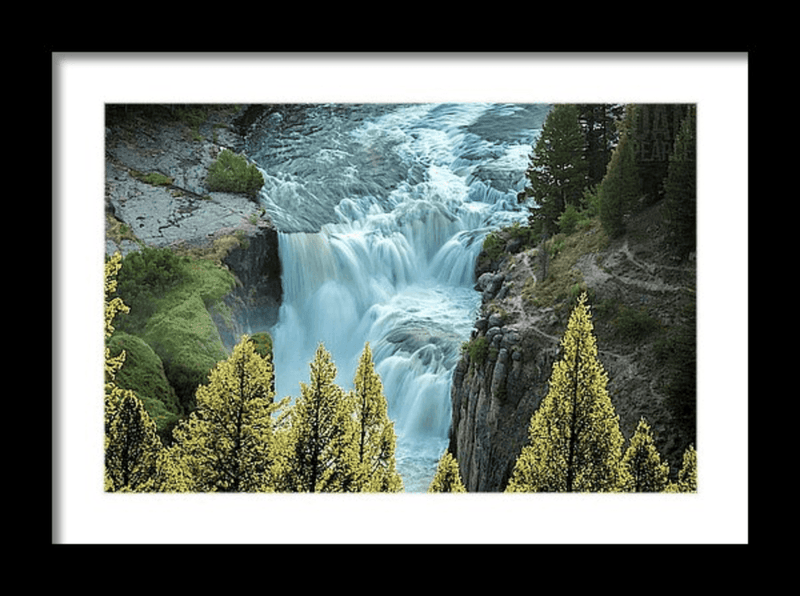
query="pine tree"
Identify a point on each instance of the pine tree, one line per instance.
(687, 476)
(558, 170)
(655, 129)
(375, 434)
(642, 468)
(447, 478)
(132, 447)
(598, 122)
(620, 187)
(680, 188)
(575, 443)
(323, 454)
(228, 443)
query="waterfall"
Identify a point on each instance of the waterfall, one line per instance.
(382, 210)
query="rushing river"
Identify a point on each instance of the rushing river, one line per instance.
(382, 210)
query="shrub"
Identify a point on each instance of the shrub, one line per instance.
(634, 323)
(525, 233)
(568, 220)
(232, 173)
(263, 343)
(153, 178)
(146, 276)
(477, 349)
(493, 245)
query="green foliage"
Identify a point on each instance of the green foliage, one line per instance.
(493, 245)
(153, 178)
(188, 343)
(322, 453)
(641, 468)
(262, 342)
(568, 220)
(228, 444)
(447, 478)
(562, 275)
(477, 349)
(558, 170)
(634, 323)
(681, 188)
(232, 173)
(575, 443)
(132, 447)
(146, 276)
(655, 129)
(525, 233)
(687, 476)
(375, 436)
(620, 187)
(193, 116)
(677, 350)
(131, 444)
(598, 122)
(175, 319)
(143, 373)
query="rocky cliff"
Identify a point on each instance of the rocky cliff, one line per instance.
(642, 303)
(157, 160)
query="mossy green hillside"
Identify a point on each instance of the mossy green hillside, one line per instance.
(143, 373)
(178, 294)
(182, 332)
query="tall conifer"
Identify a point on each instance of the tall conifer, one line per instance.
(323, 456)
(447, 478)
(687, 476)
(621, 186)
(375, 436)
(228, 444)
(642, 469)
(557, 173)
(575, 443)
(132, 447)
(680, 188)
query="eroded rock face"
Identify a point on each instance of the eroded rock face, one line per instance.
(492, 406)
(494, 395)
(178, 210)
(257, 267)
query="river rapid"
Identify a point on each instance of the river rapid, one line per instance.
(381, 211)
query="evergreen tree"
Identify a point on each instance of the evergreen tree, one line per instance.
(228, 444)
(323, 454)
(557, 172)
(642, 469)
(654, 129)
(680, 188)
(620, 187)
(132, 447)
(687, 476)
(575, 443)
(447, 478)
(598, 122)
(375, 432)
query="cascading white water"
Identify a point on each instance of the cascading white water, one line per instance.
(382, 212)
